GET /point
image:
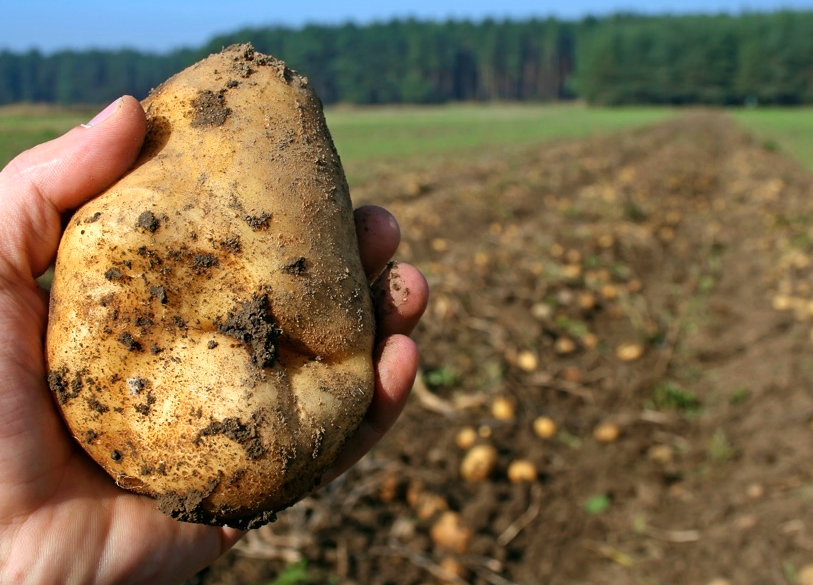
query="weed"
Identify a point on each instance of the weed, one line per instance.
(572, 327)
(789, 572)
(592, 261)
(739, 396)
(770, 145)
(669, 395)
(720, 448)
(295, 574)
(441, 377)
(569, 439)
(639, 524)
(621, 271)
(597, 504)
(706, 284)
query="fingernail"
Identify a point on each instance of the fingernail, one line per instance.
(103, 115)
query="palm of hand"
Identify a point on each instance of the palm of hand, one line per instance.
(61, 517)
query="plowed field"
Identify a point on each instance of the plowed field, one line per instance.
(648, 292)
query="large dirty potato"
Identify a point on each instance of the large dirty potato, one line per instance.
(211, 330)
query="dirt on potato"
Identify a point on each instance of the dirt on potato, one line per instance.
(651, 294)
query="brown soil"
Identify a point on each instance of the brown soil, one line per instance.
(654, 285)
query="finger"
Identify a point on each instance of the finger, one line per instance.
(42, 183)
(401, 295)
(378, 236)
(397, 358)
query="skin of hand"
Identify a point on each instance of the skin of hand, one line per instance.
(62, 519)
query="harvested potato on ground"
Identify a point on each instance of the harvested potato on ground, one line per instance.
(451, 533)
(478, 463)
(211, 329)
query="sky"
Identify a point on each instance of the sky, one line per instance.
(163, 25)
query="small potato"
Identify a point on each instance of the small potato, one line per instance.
(479, 462)
(451, 533)
(211, 328)
(527, 360)
(522, 471)
(466, 438)
(544, 427)
(454, 568)
(606, 432)
(629, 352)
(503, 409)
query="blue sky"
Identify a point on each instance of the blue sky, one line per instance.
(161, 25)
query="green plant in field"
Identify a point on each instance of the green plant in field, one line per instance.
(639, 524)
(572, 327)
(770, 145)
(739, 396)
(801, 241)
(669, 395)
(789, 571)
(597, 504)
(592, 261)
(569, 439)
(720, 448)
(295, 574)
(706, 284)
(621, 271)
(441, 377)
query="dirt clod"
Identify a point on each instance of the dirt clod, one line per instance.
(128, 341)
(113, 274)
(258, 222)
(296, 266)
(243, 433)
(148, 221)
(209, 109)
(252, 324)
(191, 507)
(160, 293)
(202, 261)
(59, 386)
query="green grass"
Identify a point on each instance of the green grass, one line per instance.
(390, 133)
(22, 127)
(789, 130)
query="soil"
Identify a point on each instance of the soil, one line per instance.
(650, 293)
(209, 109)
(148, 221)
(253, 325)
(244, 434)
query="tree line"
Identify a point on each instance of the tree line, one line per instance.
(620, 59)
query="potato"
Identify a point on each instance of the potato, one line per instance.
(211, 328)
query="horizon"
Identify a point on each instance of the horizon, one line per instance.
(135, 26)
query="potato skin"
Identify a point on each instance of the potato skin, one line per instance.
(211, 330)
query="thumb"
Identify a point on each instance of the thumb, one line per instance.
(38, 186)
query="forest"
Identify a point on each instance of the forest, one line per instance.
(750, 58)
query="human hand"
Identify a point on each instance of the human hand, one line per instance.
(62, 519)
